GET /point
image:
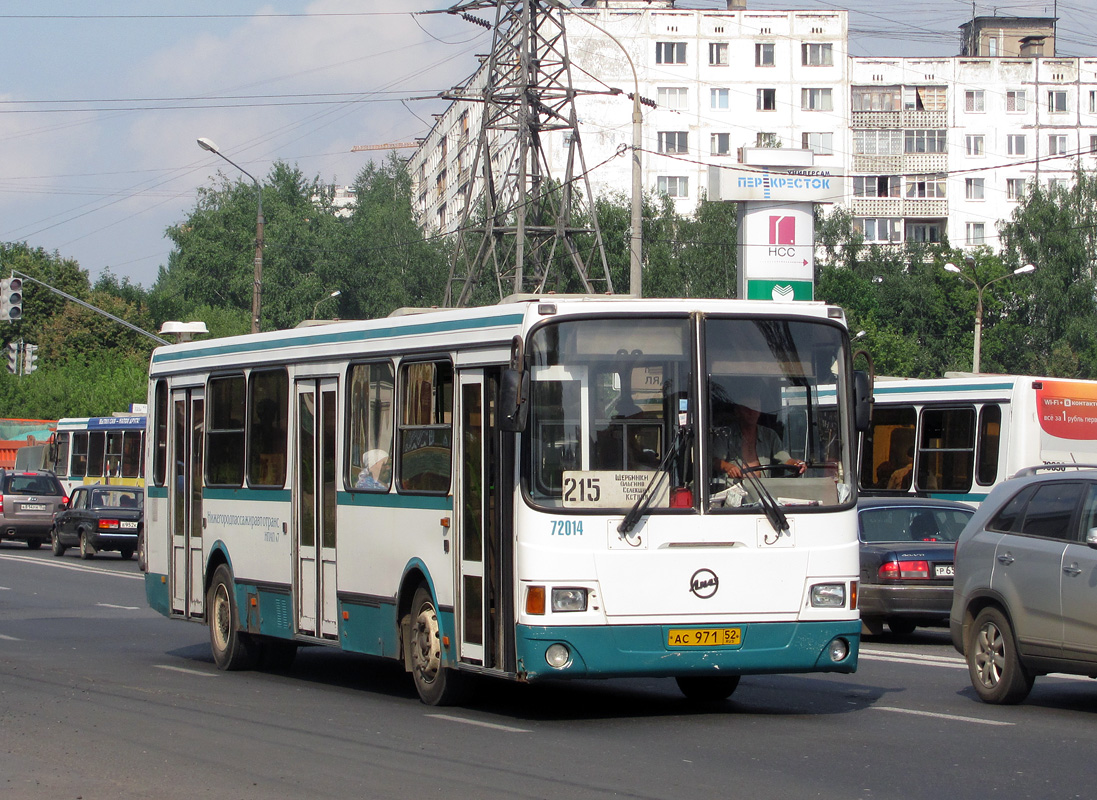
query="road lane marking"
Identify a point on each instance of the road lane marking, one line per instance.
(492, 725)
(185, 670)
(75, 567)
(9, 638)
(901, 658)
(936, 715)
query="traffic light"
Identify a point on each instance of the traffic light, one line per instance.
(11, 299)
(13, 358)
(30, 356)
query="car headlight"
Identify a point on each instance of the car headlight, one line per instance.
(828, 595)
(569, 599)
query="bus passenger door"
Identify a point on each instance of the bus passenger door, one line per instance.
(482, 559)
(187, 426)
(315, 513)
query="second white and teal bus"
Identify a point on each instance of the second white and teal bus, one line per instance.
(524, 491)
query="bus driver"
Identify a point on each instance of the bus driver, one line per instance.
(745, 443)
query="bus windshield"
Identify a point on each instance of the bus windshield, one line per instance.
(775, 419)
(613, 414)
(608, 397)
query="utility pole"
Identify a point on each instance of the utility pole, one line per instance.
(519, 221)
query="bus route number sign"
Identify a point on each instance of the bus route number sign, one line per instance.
(611, 488)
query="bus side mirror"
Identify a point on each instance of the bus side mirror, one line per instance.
(513, 400)
(862, 400)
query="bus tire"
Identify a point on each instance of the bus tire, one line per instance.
(232, 648)
(707, 688)
(437, 685)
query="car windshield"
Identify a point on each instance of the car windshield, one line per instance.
(33, 484)
(117, 498)
(912, 524)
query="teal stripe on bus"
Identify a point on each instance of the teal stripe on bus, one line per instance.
(390, 500)
(959, 387)
(342, 337)
(267, 495)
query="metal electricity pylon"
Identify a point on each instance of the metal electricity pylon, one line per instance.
(522, 226)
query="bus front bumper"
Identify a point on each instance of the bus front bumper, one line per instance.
(607, 651)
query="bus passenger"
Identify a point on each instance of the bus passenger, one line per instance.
(375, 473)
(745, 443)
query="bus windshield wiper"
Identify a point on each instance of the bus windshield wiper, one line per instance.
(770, 506)
(644, 500)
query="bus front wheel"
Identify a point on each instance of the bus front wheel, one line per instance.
(232, 648)
(437, 685)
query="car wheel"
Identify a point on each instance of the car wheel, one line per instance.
(87, 551)
(993, 664)
(901, 627)
(55, 543)
(232, 648)
(707, 688)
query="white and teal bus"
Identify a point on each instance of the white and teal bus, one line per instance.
(524, 491)
(959, 436)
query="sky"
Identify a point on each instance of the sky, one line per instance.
(101, 104)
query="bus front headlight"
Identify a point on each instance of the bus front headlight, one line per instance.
(569, 599)
(828, 595)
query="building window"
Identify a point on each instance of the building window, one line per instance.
(1057, 144)
(817, 55)
(767, 99)
(1015, 188)
(877, 143)
(926, 232)
(718, 54)
(976, 145)
(1016, 144)
(878, 230)
(822, 144)
(670, 52)
(1017, 100)
(1093, 143)
(924, 98)
(875, 98)
(975, 101)
(876, 186)
(673, 142)
(719, 98)
(721, 144)
(1057, 183)
(817, 99)
(925, 186)
(673, 186)
(974, 234)
(932, 141)
(766, 139)
(672, 96)
(763, 54)
(1057, 101)
(974, 188)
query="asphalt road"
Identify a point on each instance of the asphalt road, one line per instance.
(102, 698)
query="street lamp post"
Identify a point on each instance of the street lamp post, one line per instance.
(257, 289)
(979, 289)
(316, 308)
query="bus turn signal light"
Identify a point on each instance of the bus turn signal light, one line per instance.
(535, 600)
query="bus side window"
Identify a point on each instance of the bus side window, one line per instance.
(426, 421)
(946, 452)
(225, 437)
(988, 444)
(268, 414)
(888, 445)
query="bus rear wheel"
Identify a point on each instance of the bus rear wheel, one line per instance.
(232, 648)
(436, 684)
(707, 688)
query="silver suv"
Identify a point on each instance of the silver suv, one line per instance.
(1025, 600)
(27, 505)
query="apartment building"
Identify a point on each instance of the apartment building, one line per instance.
(929, 147)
